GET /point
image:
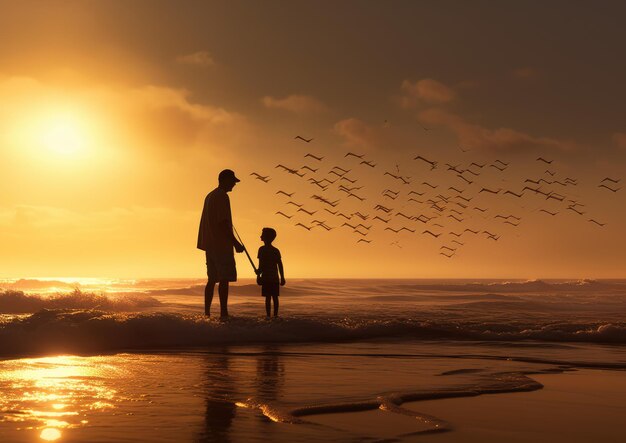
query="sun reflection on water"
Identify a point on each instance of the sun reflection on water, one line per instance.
(51, 394)
(50, 434)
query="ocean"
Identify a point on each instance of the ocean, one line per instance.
(347, 360)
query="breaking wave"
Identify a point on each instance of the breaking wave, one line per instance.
(14, 302)
(89, 331)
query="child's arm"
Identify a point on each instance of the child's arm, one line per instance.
(281, 272)
(258, 268)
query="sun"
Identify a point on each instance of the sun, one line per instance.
(63, 133)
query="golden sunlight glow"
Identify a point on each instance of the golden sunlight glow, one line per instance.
(50, 434)
(55, 392)
(63, 133)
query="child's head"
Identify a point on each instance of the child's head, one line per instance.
(268, 235)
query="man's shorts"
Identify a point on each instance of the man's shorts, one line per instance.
(221, 267)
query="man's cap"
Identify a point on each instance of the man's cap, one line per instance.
(228, 174)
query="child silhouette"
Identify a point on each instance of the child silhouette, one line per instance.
(270, 266)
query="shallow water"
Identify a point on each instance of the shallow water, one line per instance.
(258, 393)
(137, 360)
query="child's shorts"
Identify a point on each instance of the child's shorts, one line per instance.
(270, 289)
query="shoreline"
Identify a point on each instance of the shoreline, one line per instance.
(571, 405)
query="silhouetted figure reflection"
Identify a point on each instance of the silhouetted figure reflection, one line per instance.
(270, 374)
(216, 238)
(219, 401)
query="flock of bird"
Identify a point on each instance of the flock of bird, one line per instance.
(451, 213)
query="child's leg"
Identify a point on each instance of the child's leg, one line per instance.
(275, 298)
(268, 301)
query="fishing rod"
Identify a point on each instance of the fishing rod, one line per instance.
(245, 250)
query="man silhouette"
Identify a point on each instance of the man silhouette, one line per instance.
(216, 238)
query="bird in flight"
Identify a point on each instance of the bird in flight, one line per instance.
(597, 222)
(611, 180)
(308, 228)
(355, 196)
(285, 193)
(490, 190)
(571, 208)
(294, 203)
(319, 159)
(513, 193)
(541, 159)
(298, 137)
(428, 184)
(381, 219)
(289, 170)
(383, 208)
(392, 230)
(610, 189)
(318, 183)
(352, 154)
(304, 210)
(498, 167)
(433, 164)
(431, 233)
(260, 177)
(469, 182)
(309, 168)
(363, 240)
(548, 212)
(368, 163)
(284, 215)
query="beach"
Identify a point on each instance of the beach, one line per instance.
(437, 361)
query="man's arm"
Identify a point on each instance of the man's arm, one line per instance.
(227, 230)
(281, 271)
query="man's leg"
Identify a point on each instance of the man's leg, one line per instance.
(208, 296)
(275, 298)
(268, 305)
(223, 292)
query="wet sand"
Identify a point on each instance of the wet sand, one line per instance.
(574, 406)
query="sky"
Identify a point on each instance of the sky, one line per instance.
(116, 117)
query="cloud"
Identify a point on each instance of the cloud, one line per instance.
(299, 104)
(139, 123)
(620, 139)
(357, 133)
(200, 58)
(478, 137)
(525, 73)
(426, 91)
